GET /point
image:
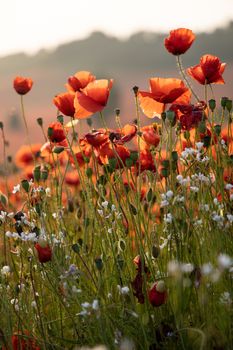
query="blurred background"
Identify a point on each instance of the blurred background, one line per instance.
(50, 40)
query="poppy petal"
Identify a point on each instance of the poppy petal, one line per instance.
(98, 91)
(85, 106)
(197, 74)
(149, 106)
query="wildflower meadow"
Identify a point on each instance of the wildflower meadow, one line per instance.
(121, 238)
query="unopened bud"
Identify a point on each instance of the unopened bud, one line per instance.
(135, 90)
(117, 112)
(229, 105)
(165, 172)
(58, 149)
(36, 173)
(25, 185)
(217, 129)
(224, 102)
(170, 116)
(39, 121)
(212, 104)
(60, 119)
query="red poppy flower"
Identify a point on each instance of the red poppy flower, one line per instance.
(65, 103)
(157, 294)
(23, 341)
(93, 98)
(109, 151)
(209, 71)
(124, 134)
(163, 91)
(79, 81)
(189, 115)
(179, 41)
(150, 135)
(72, 178)
(146, 161)
(24, 155)
(56, 132)
(22, 85)
(97, 137)
(44, 251)
(82, 153)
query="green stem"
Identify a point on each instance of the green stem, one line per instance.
(182, 72)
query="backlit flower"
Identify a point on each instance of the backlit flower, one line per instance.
(163, 91)
(93, 98)
(209, 71)
(43, 251)
(189, 115)
(56, 132)
(79, 81)
(65, 103)
(25, 154)
(22, 85)
(179, 41)
(150, 135)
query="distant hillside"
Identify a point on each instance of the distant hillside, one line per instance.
(130, 62)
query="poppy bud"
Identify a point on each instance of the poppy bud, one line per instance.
(212, 104)
(170, 116)
(166, 163)
(44, 174)
(60, 119)
(25, 185)
(163, 116)
(224, 102)
(229, 105)
(36, 173)
(155, 251)
(135, 90)
(206, 140)
(165, 172)
(39, 121)
(157, 294)
(22, 85)
(174, 156)
(217, 129)
(58, 149)
(187, 135)
(117, 111)
(202, 127)
(99, 264)
(43, 250)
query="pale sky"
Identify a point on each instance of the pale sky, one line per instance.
(29, 25)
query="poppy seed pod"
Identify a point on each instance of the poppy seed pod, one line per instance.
(43, 251)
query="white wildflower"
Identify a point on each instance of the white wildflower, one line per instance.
(16, 189)
(5, 270)
(224, 261)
